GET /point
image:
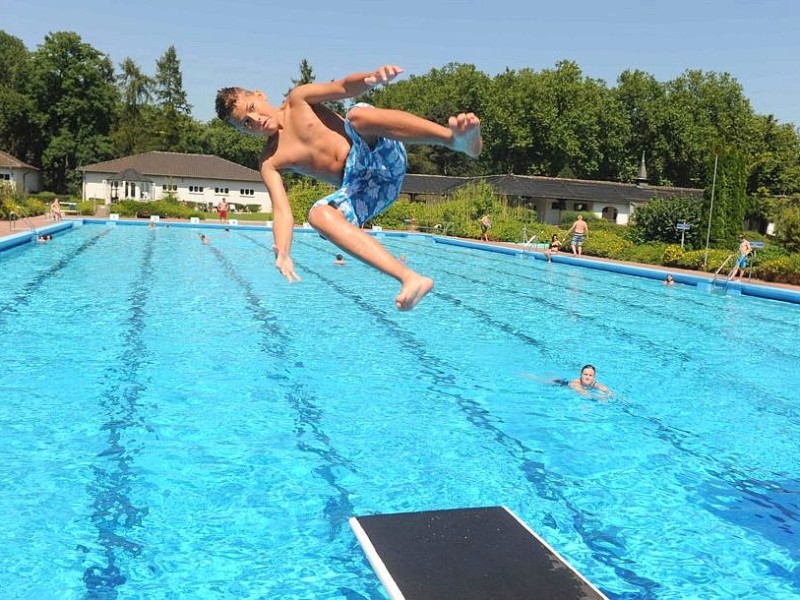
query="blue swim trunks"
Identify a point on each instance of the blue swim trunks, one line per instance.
(577, 239)
(741, 262)
(372, 177)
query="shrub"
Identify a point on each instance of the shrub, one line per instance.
(86, 208)
(785, 269)
(303, 195)
(651, 254)
(605, 244)
(694, 259)
(673, 254)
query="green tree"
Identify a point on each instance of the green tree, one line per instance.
(132, 133)
(701, 112)
(224, 141)
(730, 200)
(19, 126)
(72, 86)
(788, 227)
(173, 123)
(656, 221)
(306, 75)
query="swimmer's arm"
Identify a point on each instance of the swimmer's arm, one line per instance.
(282, 224)
(575, 384)
(348, 87)
(604, 389)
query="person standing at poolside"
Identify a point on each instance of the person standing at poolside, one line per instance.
(55, 210)
(581, 230)
(363, 155)
(745, 250)
(223, 211)
(486, 225)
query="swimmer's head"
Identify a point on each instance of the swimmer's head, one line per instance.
(588, 374)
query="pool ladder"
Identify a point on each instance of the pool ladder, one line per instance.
(526, 241)
(24, 216)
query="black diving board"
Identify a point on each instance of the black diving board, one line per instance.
(466, 554)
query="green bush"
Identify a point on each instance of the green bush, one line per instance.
(650, 254)
(86, 208)
(603, 243)
(785, 269)
(672, 255)
(303, 195)
(169, 209)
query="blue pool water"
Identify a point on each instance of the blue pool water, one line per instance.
(179, 422)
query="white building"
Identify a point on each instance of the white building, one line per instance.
(23, 177)
(201, 179)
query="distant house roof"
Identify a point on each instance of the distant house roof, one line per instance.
(528, 186)
(130, 175)
(12, 162)
(432, 184)
(176, 164)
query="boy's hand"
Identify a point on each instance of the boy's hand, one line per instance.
(285, 265)
(383, 75)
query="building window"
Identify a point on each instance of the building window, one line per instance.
(219, 190)
(244, 192)
(170, 187)
(5, 176)
(579, 206)
(610, 214)
(196, 189)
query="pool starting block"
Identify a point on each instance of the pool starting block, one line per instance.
(466, 553)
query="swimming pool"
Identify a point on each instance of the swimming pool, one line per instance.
(178, 422)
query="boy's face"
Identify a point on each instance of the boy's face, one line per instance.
(253, 114)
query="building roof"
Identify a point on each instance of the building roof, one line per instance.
(8, 161)
(130, 175)
(176, 164)
(528, 186)
(432, 184)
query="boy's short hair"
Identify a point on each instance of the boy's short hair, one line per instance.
(226, 100)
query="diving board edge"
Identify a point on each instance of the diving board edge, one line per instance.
(430, 555)
(375, 560)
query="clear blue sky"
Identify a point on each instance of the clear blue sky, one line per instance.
(257, 44)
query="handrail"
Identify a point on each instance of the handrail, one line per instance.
(725, 262)
(25, 217)
(526, 241)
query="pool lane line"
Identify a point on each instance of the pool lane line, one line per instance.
(338, 508)
(23, 297)
(114, 514)
(655, 349)
(672, 436)
(546, 484)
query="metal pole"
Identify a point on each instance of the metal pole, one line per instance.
(711, 210)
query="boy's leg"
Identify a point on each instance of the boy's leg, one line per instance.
(462, 134)
(331, 223)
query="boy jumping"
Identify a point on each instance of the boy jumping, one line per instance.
(362, 155)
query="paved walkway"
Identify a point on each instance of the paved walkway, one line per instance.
(10, 228)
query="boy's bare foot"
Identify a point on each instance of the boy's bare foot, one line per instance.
(466, 128)
(413, 290)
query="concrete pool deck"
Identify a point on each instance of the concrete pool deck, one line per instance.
(23, 226)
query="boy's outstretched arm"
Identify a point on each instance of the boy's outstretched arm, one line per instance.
(282, 223)
(352, 85)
